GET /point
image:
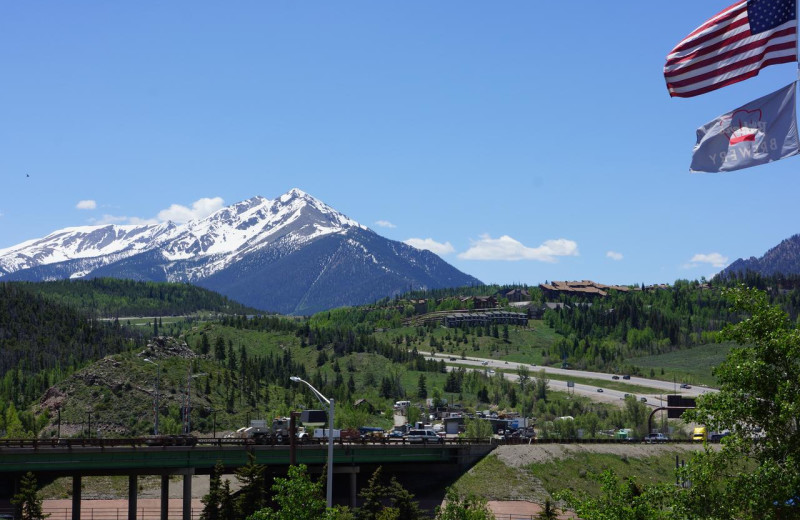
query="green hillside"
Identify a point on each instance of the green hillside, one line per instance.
(115, 298)
(241, 365)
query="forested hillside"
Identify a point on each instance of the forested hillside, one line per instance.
(42, 342)
(242, 363)
(113, 298)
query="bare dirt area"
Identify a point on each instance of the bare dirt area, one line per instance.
(521, 455)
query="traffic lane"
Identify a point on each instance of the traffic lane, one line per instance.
(666, 386)
(607, 396)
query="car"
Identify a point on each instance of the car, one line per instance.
(627, 396)
(395, 435)
(626, 377)
(656, 437)
(643, 399)
(684, 385)
(452, 359)
(485, 363)
(718, 436)
(600, 390)
(423, 436)
(614, 377)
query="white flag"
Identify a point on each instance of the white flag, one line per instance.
(759, 132)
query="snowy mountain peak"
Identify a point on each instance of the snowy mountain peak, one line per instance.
(292, 254)
(294, 218)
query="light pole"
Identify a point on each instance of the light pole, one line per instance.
(329, 402)
(158, 379)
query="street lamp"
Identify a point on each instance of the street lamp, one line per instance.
(158, 379)
(329, 402)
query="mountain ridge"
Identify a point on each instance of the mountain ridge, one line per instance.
(784, 258)
(293, 254)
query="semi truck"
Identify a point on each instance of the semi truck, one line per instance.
(275, 433)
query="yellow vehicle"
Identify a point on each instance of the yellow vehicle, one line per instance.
(700, 434)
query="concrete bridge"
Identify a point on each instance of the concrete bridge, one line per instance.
(49, 460)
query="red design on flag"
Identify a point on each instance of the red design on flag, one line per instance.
(732, 46)
(743, 125)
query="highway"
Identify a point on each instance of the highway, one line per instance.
(655, 393)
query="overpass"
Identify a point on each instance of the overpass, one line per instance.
(114, 457)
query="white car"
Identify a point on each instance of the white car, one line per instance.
(423, 436)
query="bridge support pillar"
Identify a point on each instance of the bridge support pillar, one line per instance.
(187, 495)
(76, 497)
(132, 495)
(164, 497)
(353, 489)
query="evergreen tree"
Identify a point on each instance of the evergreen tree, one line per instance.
(422, 389)
(27, 504)
(213, 499)
(227, 506)
(219, 348)
(251, 495)
(371, 498)
(548, 512)
(403, 501)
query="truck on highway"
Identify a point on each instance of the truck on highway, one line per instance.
(275, 433)
(700, 434)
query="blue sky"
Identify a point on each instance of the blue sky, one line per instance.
(523, 141)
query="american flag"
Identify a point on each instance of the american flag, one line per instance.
(733, 46)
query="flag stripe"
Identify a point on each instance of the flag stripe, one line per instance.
(715, 21)
(724, 40)
(715, 27)
(755, 56)
(730, 81)
(723, 51)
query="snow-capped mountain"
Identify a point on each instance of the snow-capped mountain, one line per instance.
(293, 254)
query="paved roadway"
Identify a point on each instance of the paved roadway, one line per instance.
(655, 395)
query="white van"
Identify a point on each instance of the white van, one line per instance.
(402, 404)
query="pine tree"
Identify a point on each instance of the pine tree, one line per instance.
(27, 504)
(422, 389)
(212, 500)
(251, 496)
(403, 501)
(371, 498)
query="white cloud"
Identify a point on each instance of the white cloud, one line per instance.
(176, 213)
(200, 208)
(86, 204)
(715, 259)
(431, 245)
(385, 223)
(614, 255)
(506, 248)
(114, 219)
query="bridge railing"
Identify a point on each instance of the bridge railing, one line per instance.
(222, 441)
(108, 513)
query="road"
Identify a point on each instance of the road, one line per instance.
(655, 395)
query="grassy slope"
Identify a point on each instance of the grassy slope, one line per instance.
(495, 480)
(691, 366)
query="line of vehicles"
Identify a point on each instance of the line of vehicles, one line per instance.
(278, 432)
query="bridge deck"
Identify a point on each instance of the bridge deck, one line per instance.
(200, 459)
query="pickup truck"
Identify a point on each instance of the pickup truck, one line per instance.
(656, 437)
